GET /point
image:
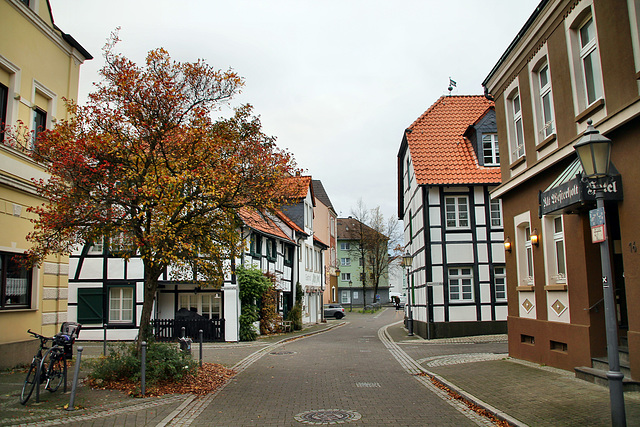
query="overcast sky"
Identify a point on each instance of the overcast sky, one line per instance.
(336, 81)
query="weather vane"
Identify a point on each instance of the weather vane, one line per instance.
(452, 84)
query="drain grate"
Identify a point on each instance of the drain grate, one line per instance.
(327, 416)
(282, 353)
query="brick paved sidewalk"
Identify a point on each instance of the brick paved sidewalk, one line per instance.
(105, 407)
(532, 394)
(479, 367)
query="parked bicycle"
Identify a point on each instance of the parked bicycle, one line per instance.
(50, 363)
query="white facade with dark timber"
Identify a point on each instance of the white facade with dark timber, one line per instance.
(106, 297)
(106, 292)
(447, 164)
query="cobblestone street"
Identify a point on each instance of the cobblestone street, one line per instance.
(361, 370)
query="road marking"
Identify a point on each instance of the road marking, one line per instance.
(458, 359)
(368, 385)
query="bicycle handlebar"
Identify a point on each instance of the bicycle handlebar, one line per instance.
(37, 335)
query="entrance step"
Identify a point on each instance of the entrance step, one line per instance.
(599, 376)
(602, 364)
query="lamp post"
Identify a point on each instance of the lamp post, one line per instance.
(594, 152)
(407, 260)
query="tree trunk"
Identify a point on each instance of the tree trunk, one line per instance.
(364, 296)
(151, 275)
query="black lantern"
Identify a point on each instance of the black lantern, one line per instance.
(407, 260)
(594, 152)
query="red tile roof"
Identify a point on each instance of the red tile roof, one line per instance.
(439, 152)
(259, 222)
(298, 186)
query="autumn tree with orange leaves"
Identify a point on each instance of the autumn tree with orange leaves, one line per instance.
(144, 162)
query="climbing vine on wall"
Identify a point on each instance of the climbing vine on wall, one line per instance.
(269, 317)
(252, 285)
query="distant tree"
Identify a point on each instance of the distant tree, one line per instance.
(380, 245)
(144, 162)
(375, 239)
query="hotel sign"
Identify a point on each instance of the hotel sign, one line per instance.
(575, 191)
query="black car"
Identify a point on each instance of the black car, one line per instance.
(333, 310)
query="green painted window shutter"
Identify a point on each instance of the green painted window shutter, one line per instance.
(90, 303)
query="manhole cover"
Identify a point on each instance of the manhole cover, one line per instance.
(281, 353)
(327, 416)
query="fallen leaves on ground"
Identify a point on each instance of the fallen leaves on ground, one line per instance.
(477, 409)
(209, 378)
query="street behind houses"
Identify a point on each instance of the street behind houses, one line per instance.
(361, 370)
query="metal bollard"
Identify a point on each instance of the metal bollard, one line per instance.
(75, 381)
(200, 337)
(143, 374)
(184, 334)
(104, 340)
(38, 373)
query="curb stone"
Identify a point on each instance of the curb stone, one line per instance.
(466, 396)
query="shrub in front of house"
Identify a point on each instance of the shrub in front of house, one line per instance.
(164, 362)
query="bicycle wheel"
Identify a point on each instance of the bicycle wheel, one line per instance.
(29, 383)
(53, 367)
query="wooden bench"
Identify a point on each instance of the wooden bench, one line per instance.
(286, 326)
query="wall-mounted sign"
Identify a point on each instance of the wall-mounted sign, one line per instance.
(575, 191)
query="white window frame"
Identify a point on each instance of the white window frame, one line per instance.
(518, 136)
(460, 219)
(308, 215)
(345, 246)
(591, 75)
(575, 21)
(500, 282)
(524, 250)
(345, 277)
(13, 87)
(515, 142)
(118, 296)
(210, 304)
(634, 18)
(495, 208)
(309, 258)
(546, 108)
(345, 262)
(345, 297)
(559, 250)
(528, 245)
(490, 149)
(461, 284)
(318, 260)
(50, 108)
(544, 117)
(555, 250)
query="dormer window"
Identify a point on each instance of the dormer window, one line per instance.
(490, 151)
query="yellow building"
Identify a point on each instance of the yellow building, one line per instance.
(39, 66)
